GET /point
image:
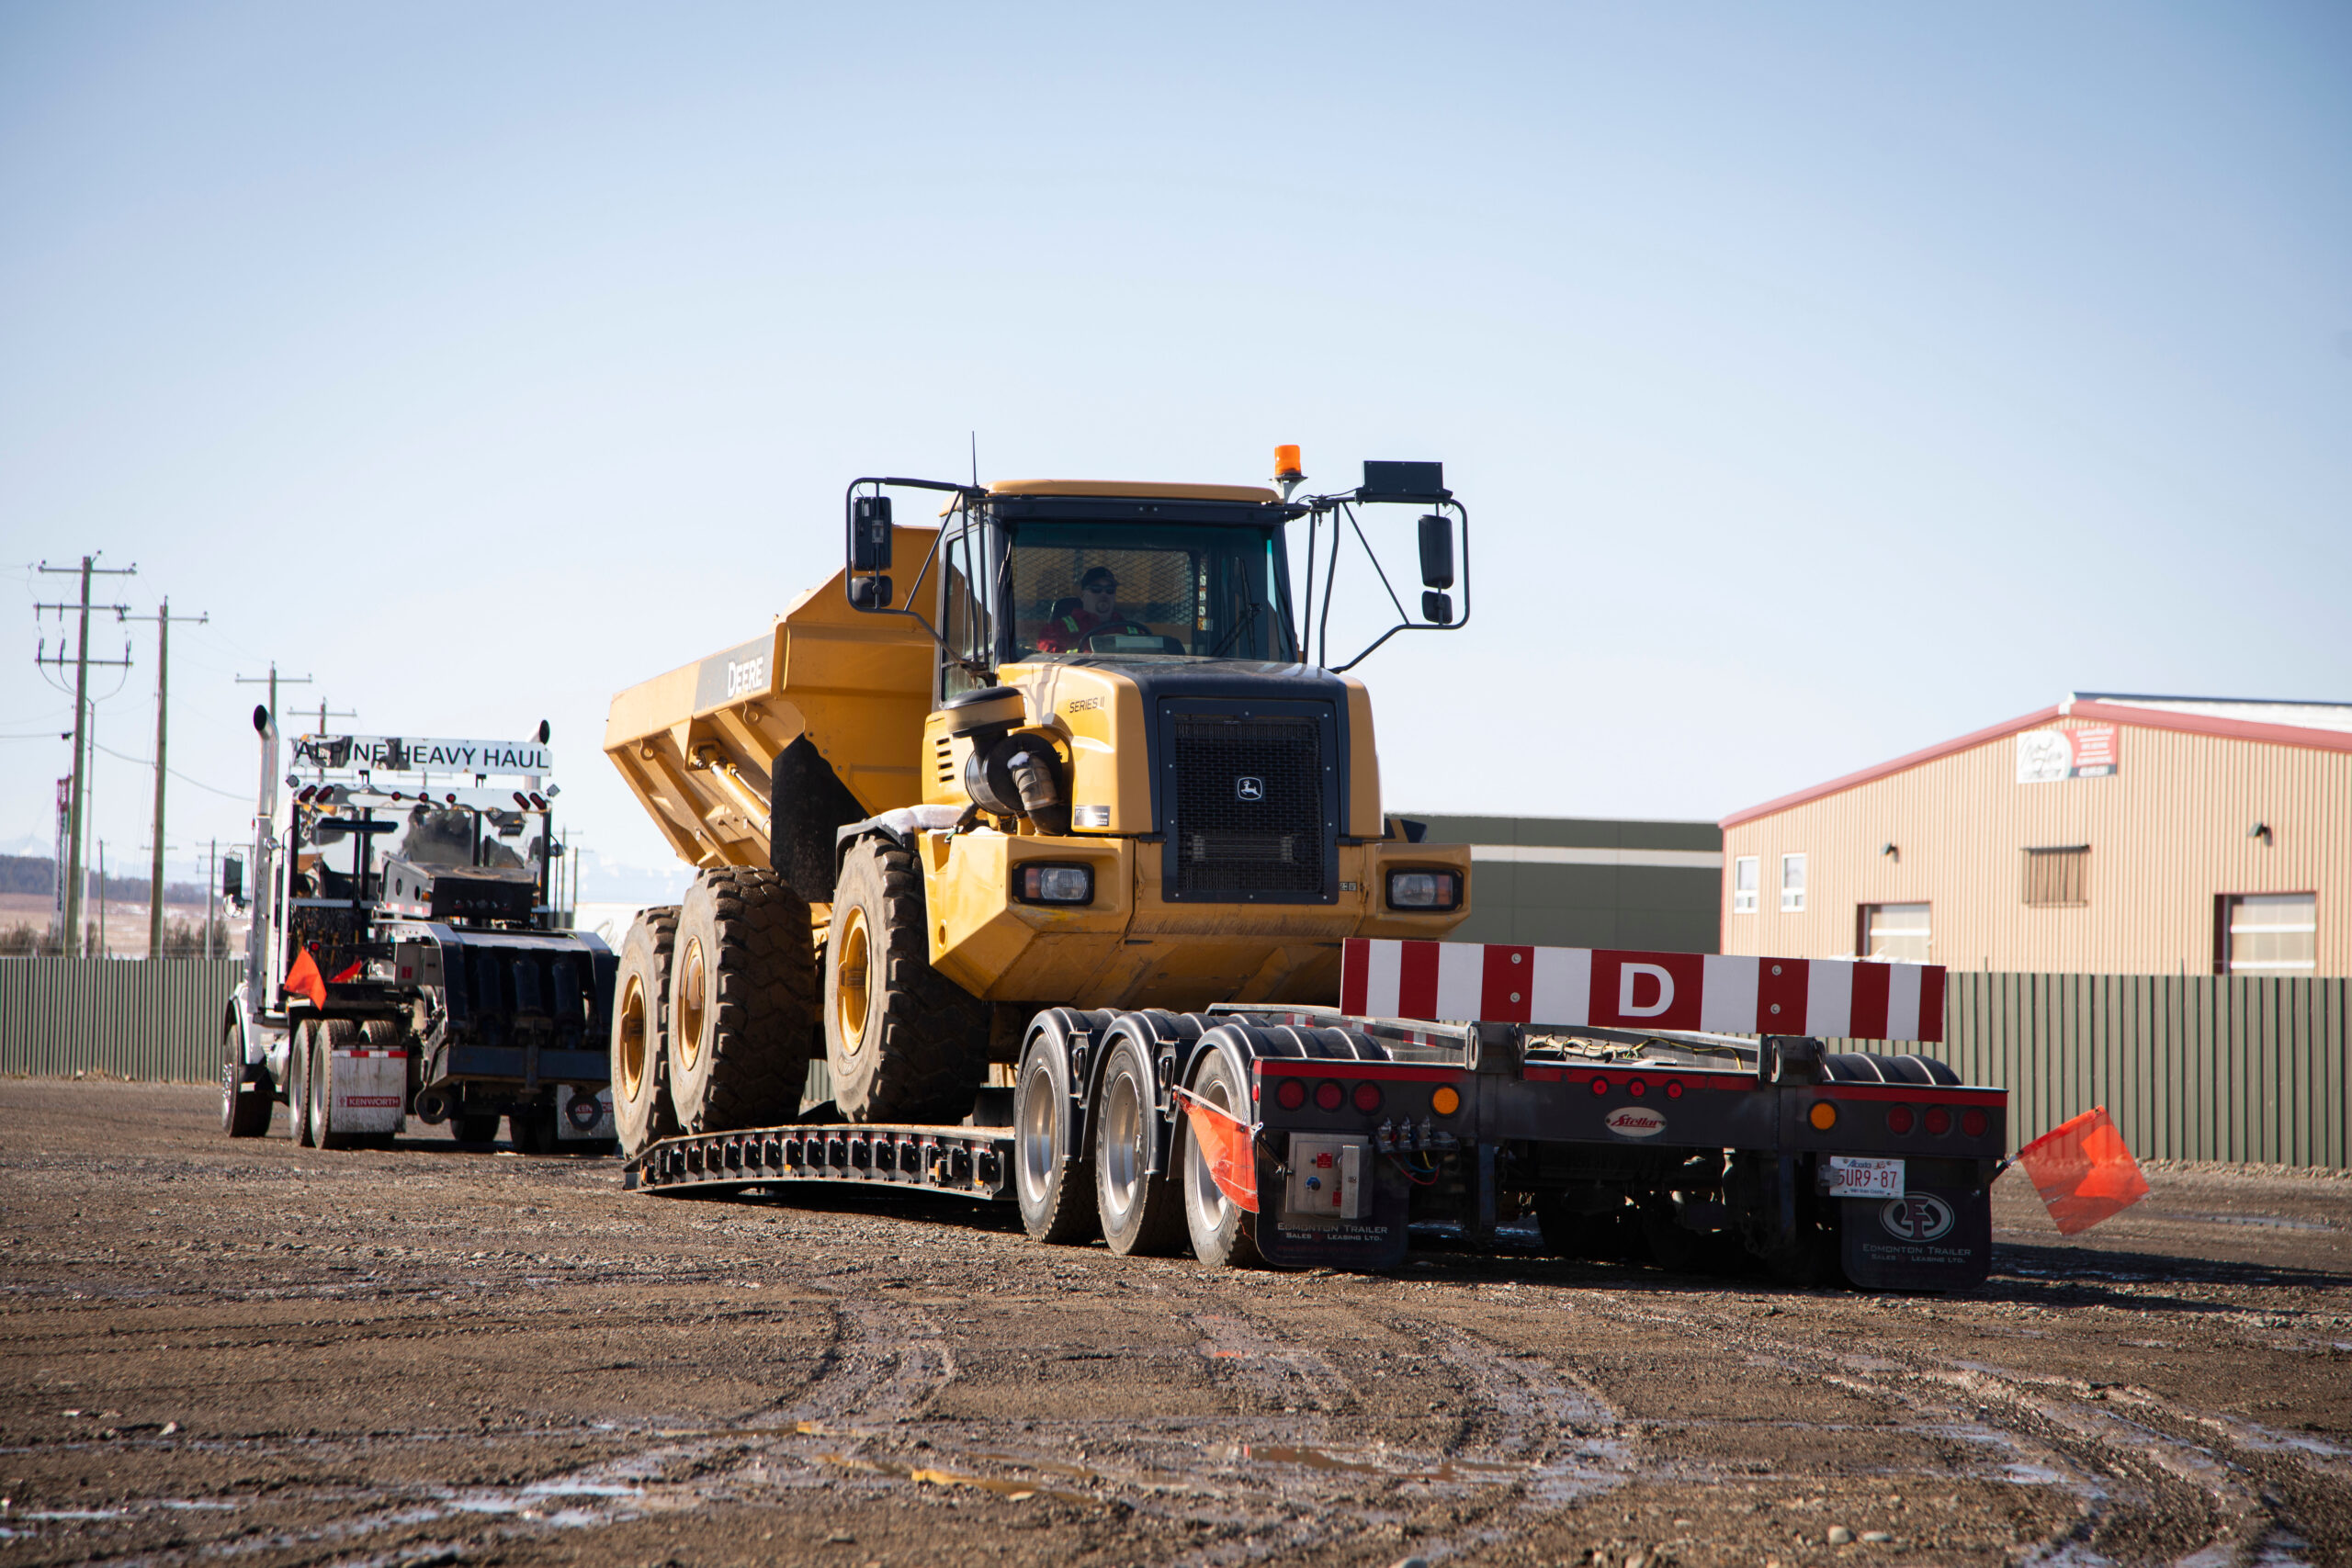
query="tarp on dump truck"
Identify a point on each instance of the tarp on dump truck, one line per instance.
(705, 746)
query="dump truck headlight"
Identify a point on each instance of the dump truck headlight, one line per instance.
(1056, 883)
(1424, 890)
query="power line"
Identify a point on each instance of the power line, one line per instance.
(149, 762)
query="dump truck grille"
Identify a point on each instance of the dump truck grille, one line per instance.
(1247, 817)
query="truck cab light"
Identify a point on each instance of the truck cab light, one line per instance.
(1056, 885)
(1446, 1101)
(1424, 890)
(1823, 1116)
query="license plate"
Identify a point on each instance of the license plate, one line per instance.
(1850, 1178)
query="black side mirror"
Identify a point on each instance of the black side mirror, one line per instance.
(1437, 553)
(869, 535)
(233, 878)
(870, 592)
(1437, 609)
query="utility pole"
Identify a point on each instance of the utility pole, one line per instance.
(162, 617)
(338, 713)
(88, 569)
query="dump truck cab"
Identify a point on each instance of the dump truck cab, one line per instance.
(1160, 803)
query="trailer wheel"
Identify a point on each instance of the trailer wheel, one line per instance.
(298, 1080)
(1142, 1213)
(1052, 1191)
(1223, 1232)
(743, 986)
(326, 1039)
(245, 1095)
(903, 1042)
(641, 1109)
(478, 1128)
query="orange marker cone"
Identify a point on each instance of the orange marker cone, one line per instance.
(2083, 1171)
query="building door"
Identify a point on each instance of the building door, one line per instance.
(2267, 933)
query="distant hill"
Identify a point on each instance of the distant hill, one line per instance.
(35, 873)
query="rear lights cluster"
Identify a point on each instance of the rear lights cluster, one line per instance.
(1936, 1121)
(1041, 883)
(1638, 1088)
(1330, 1094)
(532, 801)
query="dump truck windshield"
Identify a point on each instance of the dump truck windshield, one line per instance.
(1143, 593)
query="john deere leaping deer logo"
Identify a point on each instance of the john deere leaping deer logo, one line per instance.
(1919, 1217)
(1248, 788)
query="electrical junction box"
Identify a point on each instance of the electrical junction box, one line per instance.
(1327, 1177)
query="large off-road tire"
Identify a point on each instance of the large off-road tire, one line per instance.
(743, 1001)
(1142, 1213)
(245, 1088)
(641, 1110)
(334, 1034)
(299, 1049)
(903, 1042)
(1056, 1193)
(1224, 1232)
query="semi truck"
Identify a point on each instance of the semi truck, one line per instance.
(1063, 877)
(404, 958)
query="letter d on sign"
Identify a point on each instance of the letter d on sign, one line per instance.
(1625, 977)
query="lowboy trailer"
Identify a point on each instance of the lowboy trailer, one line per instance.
(1316, 1136)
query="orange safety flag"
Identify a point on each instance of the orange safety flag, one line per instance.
(2083, 1171)
(304, 980)
(351, 973)
(1226, 1143)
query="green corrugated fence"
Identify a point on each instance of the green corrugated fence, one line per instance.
(2242, 1068)
(2208, 1068)
(130, 1018)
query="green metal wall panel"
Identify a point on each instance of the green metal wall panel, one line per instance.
(150, 1018)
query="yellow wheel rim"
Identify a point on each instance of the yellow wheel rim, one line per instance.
(632, 1038)
(850, 996)
(692, 981)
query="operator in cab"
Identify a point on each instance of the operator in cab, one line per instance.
(1095, 609)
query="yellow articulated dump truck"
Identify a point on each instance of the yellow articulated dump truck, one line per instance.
(1002, 841)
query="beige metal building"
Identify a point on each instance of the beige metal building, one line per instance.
(2110, 834)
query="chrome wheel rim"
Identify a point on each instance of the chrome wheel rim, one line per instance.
(1037, 1150)
(1122, 1155)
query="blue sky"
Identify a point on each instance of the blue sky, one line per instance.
(1823, 382)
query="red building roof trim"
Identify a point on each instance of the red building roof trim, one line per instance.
(2108, 713)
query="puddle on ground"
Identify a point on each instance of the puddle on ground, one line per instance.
(1018, 1490)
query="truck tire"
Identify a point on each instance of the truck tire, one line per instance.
(1142, 1213)
(1224, 1232)
(903, 1042)
(642, 1109)
(742, 998)
(327, 1038)
(245, 1090)
(1053, 1192)
(478, 1129)
(298, 1080)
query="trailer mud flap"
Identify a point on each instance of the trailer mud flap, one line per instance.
(369, 1092)
(1930, 1239)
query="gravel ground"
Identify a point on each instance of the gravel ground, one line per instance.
(430, 1356)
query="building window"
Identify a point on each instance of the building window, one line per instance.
(2058, 878)
(1897, 931)
(1743, 885)
(1792, 883)
(2268, 933)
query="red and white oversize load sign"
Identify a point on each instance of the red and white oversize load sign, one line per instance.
(1568, 987)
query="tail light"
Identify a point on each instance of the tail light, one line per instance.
(1636, 1087)
(1424, 890)
(1328, 1096)
(1974, 1122)
(1367, 1098)
(1600, 1086)
(1290, 1094)
(1938, 1121)
(1898, 1119)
